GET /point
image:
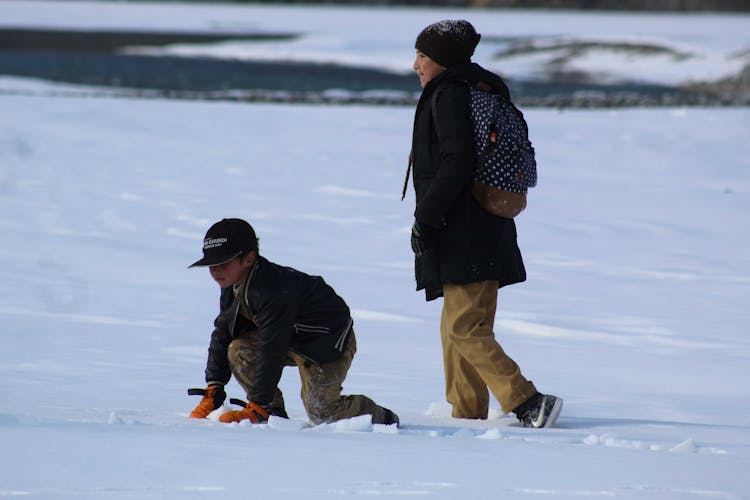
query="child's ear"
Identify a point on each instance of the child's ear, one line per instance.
(250, 257)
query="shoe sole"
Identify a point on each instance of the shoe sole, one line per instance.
(556, 409)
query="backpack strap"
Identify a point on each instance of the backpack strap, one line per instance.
(484, 87)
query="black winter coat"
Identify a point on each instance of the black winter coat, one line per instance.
(465, 244)
(293, 311)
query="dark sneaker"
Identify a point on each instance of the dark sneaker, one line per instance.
(277, 412)
(540, 411)
(390, 418)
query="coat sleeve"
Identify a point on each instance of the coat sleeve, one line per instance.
(275, 317)
(456, 154)
(217, 365)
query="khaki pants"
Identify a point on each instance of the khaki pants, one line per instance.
(472, 358)
(243, 355)
(321, 384)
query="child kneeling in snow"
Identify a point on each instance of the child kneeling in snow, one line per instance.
(270, 317)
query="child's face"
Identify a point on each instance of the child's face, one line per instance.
(232, 272)
(426, 68)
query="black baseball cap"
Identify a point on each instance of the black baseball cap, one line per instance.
(226, 240)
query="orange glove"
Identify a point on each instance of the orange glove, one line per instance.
(213, 397)
(253, 412)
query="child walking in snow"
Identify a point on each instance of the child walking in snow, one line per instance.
(462, 252)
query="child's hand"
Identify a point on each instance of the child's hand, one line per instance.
(213, 398)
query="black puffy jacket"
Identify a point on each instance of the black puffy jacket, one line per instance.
(464, 243)
(293, 311)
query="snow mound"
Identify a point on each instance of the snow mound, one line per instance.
(361, 423)
(493, 433)
(285, 424)
(439, 409)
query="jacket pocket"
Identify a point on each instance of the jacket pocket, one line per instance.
(301, 329)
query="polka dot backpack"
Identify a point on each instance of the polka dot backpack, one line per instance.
(506, 164)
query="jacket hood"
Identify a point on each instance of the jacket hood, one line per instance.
(472, 73)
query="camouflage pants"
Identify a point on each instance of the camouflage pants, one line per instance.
(472, 358)
(321, 384)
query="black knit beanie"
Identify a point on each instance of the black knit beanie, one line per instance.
(448, 42)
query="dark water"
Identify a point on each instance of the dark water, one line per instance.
(197, 74)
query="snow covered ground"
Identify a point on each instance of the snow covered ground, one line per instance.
(636, 241)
